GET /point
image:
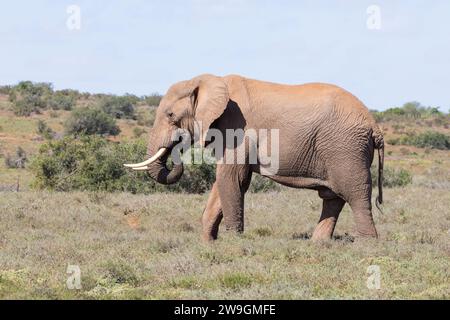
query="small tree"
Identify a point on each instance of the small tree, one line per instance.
(153, 100)
(28, 97)
(119, 107)
(91, 121)
(63, 99)
(18, 161)
(44, 130)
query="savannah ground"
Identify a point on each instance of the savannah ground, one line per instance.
(149, 247)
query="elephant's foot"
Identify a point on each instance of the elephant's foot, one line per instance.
(331, 208)
(234, 226)
(208, 238)
(212, 216)
(365, 226)
(211, 227)
(367, 232)
(210, 232)
(324, 230)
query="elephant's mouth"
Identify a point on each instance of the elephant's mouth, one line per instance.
(156, 167)
(144, 165)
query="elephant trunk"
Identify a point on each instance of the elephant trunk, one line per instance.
(158, 171)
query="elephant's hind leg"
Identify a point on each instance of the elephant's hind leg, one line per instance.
(331, 208)
(212, 216)
(362, 212)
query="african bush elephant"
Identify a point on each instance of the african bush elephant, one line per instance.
(326, 138)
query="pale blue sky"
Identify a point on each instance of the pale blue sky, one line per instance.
(144, 46)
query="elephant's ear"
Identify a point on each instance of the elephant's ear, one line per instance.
(209, 99)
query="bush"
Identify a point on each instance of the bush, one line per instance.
(137, 132)
(63, 100)
(152, 100)
(28, 97)
(91, 121)
(429, 139)
(89, 163)
(93, 163)
(391, 177)
(44, 130)
(197, 178)
(18, 161)
(263, 184)
(410, 110)
(119, 107)
(25, 107)
(146, 117)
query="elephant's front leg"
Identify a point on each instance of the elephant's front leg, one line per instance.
(212, 215)
(232, 183)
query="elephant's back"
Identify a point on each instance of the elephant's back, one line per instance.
(310, 101)
(326, 125)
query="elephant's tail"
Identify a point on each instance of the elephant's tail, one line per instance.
(379, 144)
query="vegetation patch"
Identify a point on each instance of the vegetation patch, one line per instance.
(91, 121)
(236, 280)
(392, 177)
(428, 139)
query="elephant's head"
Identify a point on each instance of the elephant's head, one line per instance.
(187, 105)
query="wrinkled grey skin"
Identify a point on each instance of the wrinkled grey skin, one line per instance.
(327, 142)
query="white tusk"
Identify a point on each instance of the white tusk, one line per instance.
(141, 168)
(157, 155)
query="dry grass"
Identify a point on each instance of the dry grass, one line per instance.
(132, 246)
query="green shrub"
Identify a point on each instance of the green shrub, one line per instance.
(18, 161)
(63, 100)
(393, 141)
(236, 280)
(197, 178)
(24, 107)
(392, 177)
(137, 132)
(93, 163)
(262, 184)
(44, 130)
(89, 163)
(120, 107)
(410, 110)
(120, 272)
(152, 100)
(91, 121)
(429, 139)
(146, 117)
(28, 97)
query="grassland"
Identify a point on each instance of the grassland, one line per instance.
(136, 246)
(149, 247)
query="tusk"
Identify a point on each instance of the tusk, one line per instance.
(141, 168)
(157, 155)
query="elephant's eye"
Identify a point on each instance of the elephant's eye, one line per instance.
(172, 117)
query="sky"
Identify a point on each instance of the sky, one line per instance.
(384, 52)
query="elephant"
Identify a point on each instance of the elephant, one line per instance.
(327, 139)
